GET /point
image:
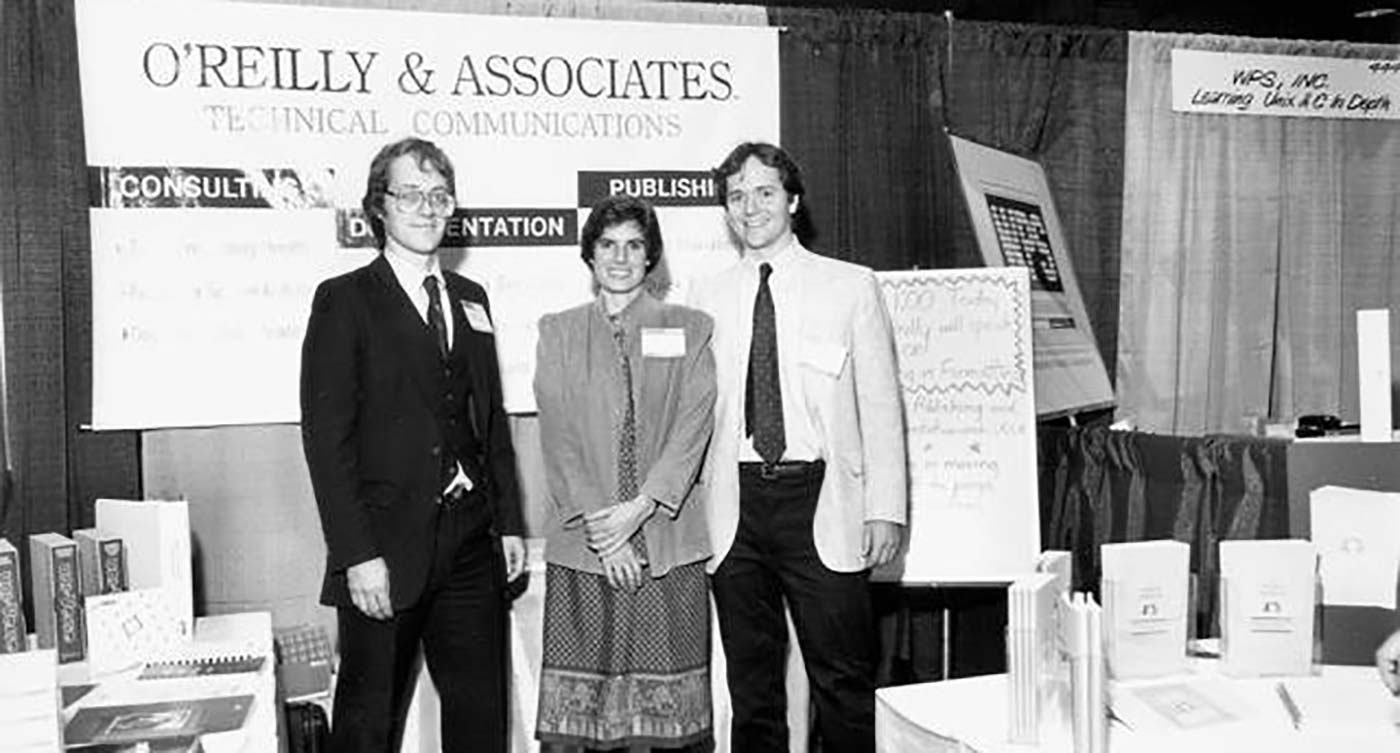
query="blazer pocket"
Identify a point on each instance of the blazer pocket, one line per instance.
(825, 358)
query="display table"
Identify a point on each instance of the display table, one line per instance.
(247, 633)
(971, 714)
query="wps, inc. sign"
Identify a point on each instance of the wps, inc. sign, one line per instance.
(1229, 83)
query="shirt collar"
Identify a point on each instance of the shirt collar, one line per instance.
(782, 259)
(410, 269)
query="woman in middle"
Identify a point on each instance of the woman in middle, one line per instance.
(625, 386)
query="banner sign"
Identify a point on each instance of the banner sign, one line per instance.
(963, 343)
(1232, 83)
(228, 146)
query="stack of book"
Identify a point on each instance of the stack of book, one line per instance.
(1035, 678)
(1084, 636)
(1145, 587)
(1268, 596)
(29, 705)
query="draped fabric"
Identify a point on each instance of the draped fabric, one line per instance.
(866, 96)
(45, 272)
(1248, 244)
(1099, 486)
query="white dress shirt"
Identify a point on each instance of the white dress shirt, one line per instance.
(410, 269)
(802, 440)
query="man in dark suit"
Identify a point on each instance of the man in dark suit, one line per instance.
(413, 470)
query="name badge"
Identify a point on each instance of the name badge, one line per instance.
(663, 342)
(476, 316)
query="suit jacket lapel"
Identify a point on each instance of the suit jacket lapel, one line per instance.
(409, 333)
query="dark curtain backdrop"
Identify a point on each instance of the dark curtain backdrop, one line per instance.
(866, 96)
(56, 469)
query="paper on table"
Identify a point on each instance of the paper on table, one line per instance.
(1357, 533)
(130, 627)
(1353, 703)
(1183, 703)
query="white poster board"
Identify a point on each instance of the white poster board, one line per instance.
(228, 145)
(1014, 217)
(963, 343)
(1306, 86)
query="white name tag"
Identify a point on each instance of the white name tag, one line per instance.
(476, 316)
(827, 358)
(663, 342)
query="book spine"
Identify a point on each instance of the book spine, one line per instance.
(12, 628)
(41, 576)
(67, 605)
(86, 540)
(112, 566)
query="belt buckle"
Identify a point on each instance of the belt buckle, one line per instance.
(768, 471)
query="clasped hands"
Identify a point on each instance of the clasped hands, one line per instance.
(609, 532)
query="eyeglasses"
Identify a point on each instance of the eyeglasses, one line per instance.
(410, 199)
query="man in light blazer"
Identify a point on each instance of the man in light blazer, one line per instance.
(806, 473)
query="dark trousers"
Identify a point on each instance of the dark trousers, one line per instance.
(773, 560)
(460, 624)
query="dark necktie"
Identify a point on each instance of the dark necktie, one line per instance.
(436, 322)
(763, 400)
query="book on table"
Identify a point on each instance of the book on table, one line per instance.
(1036, 669)
(57, 588)
(13, 631)
(158, 720)
(1145, 592)
(1268, 598)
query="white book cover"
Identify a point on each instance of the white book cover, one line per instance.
(1145, 593)
(1357, 534)
(156, 535)
(1267, 600)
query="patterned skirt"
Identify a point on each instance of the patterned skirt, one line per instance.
(625, 669)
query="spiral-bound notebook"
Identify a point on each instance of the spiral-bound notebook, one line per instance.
(200, 666)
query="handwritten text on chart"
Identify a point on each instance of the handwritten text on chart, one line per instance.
(962, 341)
(1289, 85)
